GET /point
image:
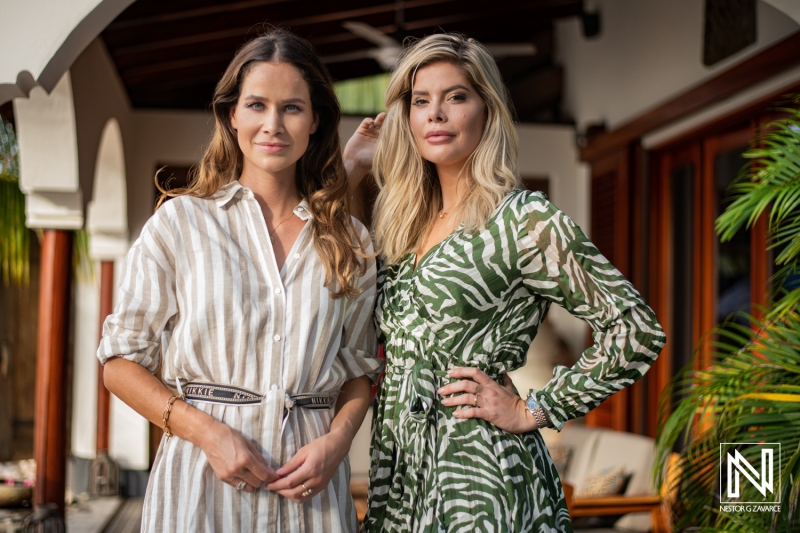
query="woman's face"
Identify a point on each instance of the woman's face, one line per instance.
(273, 119)
(447, 115)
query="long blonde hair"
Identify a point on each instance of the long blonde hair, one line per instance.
(410, 195)
(320, 173)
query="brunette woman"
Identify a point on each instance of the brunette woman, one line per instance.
(252, 290)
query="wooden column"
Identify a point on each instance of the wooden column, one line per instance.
(103, 396)
(50, 428)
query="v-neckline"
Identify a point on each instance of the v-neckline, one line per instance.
(416, 264)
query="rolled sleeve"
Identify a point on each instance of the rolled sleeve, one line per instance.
(558, 262)
(147, 302)
(359, 349)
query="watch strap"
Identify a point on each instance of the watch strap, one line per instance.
(541, 418)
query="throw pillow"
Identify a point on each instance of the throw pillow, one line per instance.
(608, 482)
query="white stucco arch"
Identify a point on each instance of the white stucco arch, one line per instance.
(107, 212)
(60, 30)
(48, 157)
(790, 7)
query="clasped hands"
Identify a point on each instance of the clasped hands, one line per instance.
(487, 399)
(236, 461)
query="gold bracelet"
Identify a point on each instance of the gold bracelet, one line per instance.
(167, 412)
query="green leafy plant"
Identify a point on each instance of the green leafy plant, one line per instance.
(751, 393)
(14, 236)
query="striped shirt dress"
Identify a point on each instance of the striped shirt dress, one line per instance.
(202, 297)
(477, 300)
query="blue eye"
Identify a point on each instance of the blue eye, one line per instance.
(258, 106)
(292, 107)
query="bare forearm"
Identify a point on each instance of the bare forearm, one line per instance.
(147, 395)
(351, 407)
(355, 174)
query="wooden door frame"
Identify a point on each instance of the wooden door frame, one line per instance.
(661, 279)
(708, 242)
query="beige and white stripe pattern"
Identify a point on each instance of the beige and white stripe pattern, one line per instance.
(201, 286)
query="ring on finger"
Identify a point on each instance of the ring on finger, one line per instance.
(476, 400)
(242, 484)
(306, 491)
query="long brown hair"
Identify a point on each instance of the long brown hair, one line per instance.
(320, 173)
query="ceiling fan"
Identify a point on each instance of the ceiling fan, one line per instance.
(388, 48)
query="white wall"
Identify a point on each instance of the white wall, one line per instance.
(158, 138)
(647, 52)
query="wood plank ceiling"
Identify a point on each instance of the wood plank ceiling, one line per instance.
(171, 54)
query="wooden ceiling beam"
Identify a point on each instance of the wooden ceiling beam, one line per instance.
(540, 88)
(284, 17)
(190, 13)
(198, 53)
(533, 9)
(147, 73)
(230, 7)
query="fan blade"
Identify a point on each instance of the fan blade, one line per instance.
(370, 33)
(385, 56)
(511, 49)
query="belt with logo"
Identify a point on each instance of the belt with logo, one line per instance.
(230, 395)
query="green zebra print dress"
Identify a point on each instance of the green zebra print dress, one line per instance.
(478, 300)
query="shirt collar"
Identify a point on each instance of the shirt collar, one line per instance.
(228, 192)
(302, 210)
(234, 189)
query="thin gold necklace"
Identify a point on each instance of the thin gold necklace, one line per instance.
(443, 213)
(274, 231)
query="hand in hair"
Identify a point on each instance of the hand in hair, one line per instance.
(360, 149)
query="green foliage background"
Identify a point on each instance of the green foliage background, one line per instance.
(14, 236)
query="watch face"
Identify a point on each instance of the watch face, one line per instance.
(532, 403)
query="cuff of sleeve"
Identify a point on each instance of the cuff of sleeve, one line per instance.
(355, 367)
(141, 352)
(556, 415)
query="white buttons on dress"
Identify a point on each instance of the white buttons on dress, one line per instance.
(277, 337)
(274, 387)
(297, 256)
(277, 290)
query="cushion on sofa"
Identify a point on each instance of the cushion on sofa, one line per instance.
(582, 440)
(636, 452)
(607, 482)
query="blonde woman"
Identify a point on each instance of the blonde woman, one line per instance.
(253, 291)
(470, 266)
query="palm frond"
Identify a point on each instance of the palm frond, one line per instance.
(14, 237)
(751, 395)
